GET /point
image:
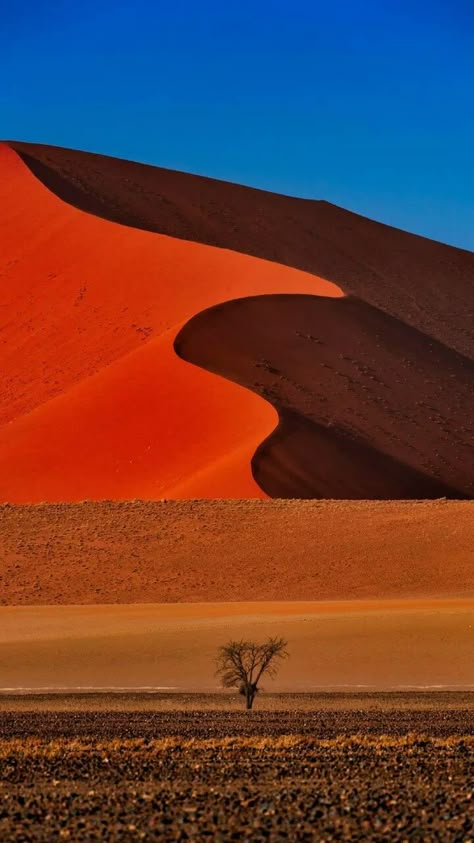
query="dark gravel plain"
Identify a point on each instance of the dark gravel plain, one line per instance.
(219, 724)
(230, 776)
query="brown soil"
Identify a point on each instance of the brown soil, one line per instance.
(394, 725)
(173, 702)
(172, 551)
(259, 788)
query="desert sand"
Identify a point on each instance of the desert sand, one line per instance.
(172, 551)
(216, 776)
(172, 702)
(421, 282)
(95, 403)
(356, 644)
(104, 262)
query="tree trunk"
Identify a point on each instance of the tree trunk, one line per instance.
(249, 698)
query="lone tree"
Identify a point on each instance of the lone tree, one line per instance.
(241, 664)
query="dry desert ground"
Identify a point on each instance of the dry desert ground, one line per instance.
(224, 550)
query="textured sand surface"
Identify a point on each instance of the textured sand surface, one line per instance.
(169, 703)
(95, 403)
(426, 284)
(373, 779)
(373, 644)
(104, 261)
(114, 552)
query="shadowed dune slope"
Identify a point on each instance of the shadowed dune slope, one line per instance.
(94, 402)
(369, 407)
(424, 283)
(197, 550)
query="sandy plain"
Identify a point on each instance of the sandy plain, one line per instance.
(219, 551)
(358, 645)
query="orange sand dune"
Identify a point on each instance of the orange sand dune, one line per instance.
(139, 427)
(104, 262)
(94, 401)
(426, 284)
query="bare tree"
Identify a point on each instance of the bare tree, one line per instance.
(241, 664)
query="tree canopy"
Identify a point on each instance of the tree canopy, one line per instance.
(241, 664)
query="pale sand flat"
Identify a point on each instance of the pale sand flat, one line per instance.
(355, 644)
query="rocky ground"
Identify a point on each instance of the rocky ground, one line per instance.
(269, 776)
(285, 703)
(104, 725)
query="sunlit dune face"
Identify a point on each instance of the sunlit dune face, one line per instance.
(147, 426)
(95, 403)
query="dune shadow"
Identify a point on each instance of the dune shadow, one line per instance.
(368, 407)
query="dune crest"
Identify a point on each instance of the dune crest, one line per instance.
(95, 403)
(422, 282)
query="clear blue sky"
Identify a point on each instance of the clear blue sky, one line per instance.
(366, 103)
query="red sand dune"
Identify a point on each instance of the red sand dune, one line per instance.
(104, 261)
(95, 403)
(424, 283)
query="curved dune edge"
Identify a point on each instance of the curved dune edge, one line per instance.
(426, 284)
(95, 402)
(280, 465)
(368, 407)
(112, 435)
(105, 289)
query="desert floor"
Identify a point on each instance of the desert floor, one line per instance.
(40, 707)
(333, 645)
(343, 775)
(220, 550)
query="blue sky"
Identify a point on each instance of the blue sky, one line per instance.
(367, 104)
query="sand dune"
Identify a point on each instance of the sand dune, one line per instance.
(115, 435)
(424, 283)
(357, 337)
(104, 261)
(94, 401)
(173, 551)
(384, 644)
